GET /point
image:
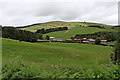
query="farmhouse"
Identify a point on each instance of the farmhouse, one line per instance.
(91, 41)
(85, 40)
(104, 41)
(52, 37)
(78, 40)
(68, 40)
(57, 39)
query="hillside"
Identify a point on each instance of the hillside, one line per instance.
(64, 54)
(54, 24)
(56, 60)
(67, 34)
(73, 28)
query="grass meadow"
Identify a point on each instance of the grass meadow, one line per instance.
(54, 24)
(67, 34)
(56, 60)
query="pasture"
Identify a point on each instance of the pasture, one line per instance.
(55, 53)
(67, 34)
(53, 24)
(56, 60)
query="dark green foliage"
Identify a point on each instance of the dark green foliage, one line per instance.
(117, 49)
(115, 57)
(102, 27)
(43, 31)
(109, 36)
(39, 36)
(20, 70)
(97, 41)
(47, 37)
(117, 26)
(0, 30)
(21, 35)
(72, 37)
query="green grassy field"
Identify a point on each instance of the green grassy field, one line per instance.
(67, 34)
(73, 28)
(58, 59)
(54, 24)
(54, 53)
(55, 59)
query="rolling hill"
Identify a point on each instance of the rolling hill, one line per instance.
(53, 24)
(55, 53)
(67, 34)
(58, 59)
(73, 28)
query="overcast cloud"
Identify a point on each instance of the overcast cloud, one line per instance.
(24, 13)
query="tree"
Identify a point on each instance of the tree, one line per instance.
(17, 34)
(97, 41)
(43, 31)
(72, 37)
(47, 37)
(117, 49)
(39, 36)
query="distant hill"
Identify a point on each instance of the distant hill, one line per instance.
(53, 24)
(29, 25)
(73, 28)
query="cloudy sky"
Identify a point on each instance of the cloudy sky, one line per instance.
(15, 13)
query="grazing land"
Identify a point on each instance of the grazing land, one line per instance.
(73, 28)
(54, 24)
(60, 56)
(53, 52)
(40, 59)
(67, 34)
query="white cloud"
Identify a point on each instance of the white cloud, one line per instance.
(23, 13)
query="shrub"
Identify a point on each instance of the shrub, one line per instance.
(97, 41)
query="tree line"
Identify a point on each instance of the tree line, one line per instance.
(21, 35)
(17, 34)
(43, 31)
(102, 27)
(115, 27)
(115, 57)
(109, 36)
(0, 30)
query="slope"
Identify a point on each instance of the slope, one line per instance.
(61, 54)
(53, 24)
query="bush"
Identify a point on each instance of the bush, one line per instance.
(47, 37)
(97, 41)
(39, 36)
(21, 70)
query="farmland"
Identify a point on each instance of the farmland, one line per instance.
(39, 59)
(54, 24)
(76, 52)
(55, 54)
(75, 30)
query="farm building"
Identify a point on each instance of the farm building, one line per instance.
(57, 39)
(91, 41)
(85, 40)
(104, 41)
(68, 40)
(78, 40)
(52, 37)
